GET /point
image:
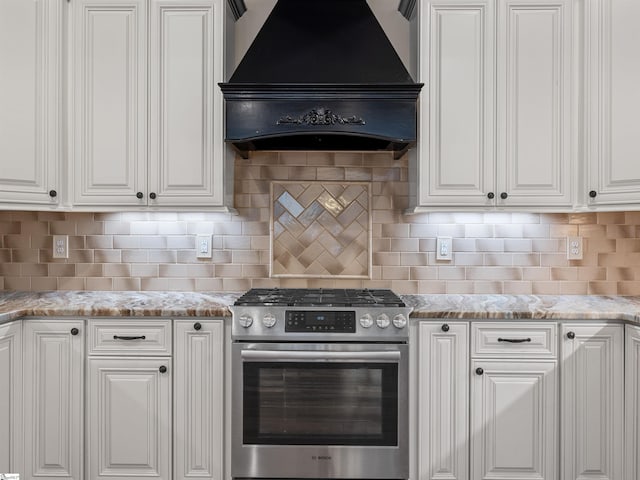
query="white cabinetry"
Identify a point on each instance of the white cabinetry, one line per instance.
(138, 428)
(496, 112)
(11, 430)
(612, 102)
(31, 46)
(53, 398)
(198, 432)
(632, 402)
(129, 417)
(592, 409)
(514, 417)
(148, 113)
(443, 400)
(129, 399)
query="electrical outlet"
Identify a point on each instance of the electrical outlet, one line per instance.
(60, 246)
(203, 246)
(444, 249)
(574, 248)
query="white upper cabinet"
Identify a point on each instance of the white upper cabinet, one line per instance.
(110, 98)
(456, 148)
(31, 46)
(496, 112)
(148, 111)
(612, 102)
(186, 165)
(534, 117)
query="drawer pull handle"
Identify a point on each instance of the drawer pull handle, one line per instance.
(479, 371)
(514, 340)
(445, 328)
(197, 326)
(127, 337)
(162, 369)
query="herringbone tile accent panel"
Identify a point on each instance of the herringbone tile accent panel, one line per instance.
(320, 230)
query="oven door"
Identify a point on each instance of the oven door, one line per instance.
(320, 410)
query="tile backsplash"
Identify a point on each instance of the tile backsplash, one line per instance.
(498, 252)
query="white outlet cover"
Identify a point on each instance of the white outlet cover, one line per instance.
(203, 246)
(444, 248)
(60, 246)
(574, 248)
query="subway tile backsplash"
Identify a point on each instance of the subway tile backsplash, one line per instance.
(494, 252)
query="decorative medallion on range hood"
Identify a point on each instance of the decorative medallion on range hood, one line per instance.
(321, 75)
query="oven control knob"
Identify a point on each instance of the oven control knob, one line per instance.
(366, 320)
(383, 320)
(245, 320)
(400, 321)
(269, 320)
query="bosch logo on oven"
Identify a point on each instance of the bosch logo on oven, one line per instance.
(320, 457)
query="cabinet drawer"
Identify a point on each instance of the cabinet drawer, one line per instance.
(535, 340)
(123, 337)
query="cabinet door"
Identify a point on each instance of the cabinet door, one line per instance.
(129, 418)
(514, 419)
(457, 158)
(443, 401)
(632, 402)
(592, 407)
(613, 100)
(186, 52)
(30, 100)
(535, 64)
(110, 97)
(53, 398)
(198, 399)
(11, 429)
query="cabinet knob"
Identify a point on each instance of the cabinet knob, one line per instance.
(593, 194)
(152, 195)
(53, 193)
(197, 326)
(504, 195)
(479, 371)
(571, 335)
(139, 195)
(74, 331)
(445, 327)
(162, 369)
(491, 195)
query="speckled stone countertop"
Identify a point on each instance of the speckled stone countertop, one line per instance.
(196, 304)
(114, 304)
(525, 307)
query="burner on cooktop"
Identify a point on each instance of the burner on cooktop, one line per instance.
(320, 297)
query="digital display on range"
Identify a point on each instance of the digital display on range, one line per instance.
(315, 321)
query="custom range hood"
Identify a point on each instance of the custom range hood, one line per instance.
(321, 75)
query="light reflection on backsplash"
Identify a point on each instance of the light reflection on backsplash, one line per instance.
(515, 253)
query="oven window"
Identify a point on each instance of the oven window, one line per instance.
(320, 404)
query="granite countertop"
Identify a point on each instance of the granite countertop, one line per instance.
(211, 304)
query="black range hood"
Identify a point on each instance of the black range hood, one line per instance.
(321, 75)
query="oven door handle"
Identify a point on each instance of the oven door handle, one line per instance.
(319, 356)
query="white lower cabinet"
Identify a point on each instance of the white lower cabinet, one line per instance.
(53, 398)
(129, 417)
(514, 419)
(514, 401)
(198, 432)
(632, 402)
(11, 397)
(443, 396)
(155, 399)
(592, 409)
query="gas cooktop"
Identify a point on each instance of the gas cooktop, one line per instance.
(320, 297)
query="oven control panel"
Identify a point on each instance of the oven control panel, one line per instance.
(320, 321)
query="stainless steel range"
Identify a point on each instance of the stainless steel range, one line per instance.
(320, 385)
